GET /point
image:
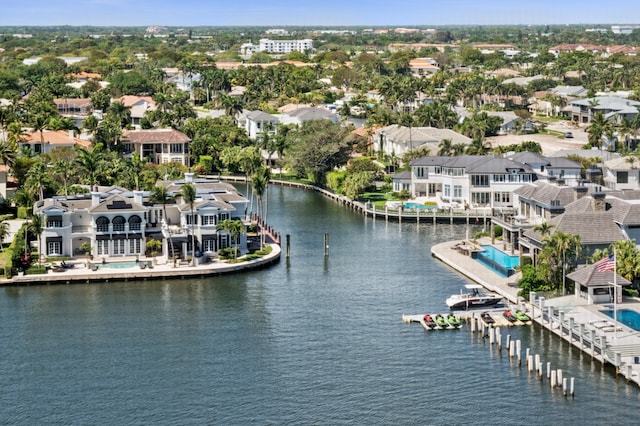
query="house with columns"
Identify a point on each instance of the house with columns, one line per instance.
(116, 223)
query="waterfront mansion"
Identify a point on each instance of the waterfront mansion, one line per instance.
(481, 180)
(115, 222)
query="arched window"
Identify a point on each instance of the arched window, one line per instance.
(134, 223)
(118, 223)
(102, 224)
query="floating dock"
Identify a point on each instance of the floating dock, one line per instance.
(466, 316)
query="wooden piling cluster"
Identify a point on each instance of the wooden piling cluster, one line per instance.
(513, 350)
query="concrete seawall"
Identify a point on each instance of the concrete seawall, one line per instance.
(81, 274)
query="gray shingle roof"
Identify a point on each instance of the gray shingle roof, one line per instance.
(590, 277)
(543, 193)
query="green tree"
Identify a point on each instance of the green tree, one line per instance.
(317, 147)
(188, 193)
(235, 228)
(160, 195)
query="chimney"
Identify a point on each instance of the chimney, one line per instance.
(580, 191)
(188, 177)
(95, 199)
(137, 197)
(597, 201)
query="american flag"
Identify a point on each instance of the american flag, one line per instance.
(606, 264)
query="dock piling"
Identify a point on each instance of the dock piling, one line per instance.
(288, 249)
(326, 244)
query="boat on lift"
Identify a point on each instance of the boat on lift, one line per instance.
(474, 297)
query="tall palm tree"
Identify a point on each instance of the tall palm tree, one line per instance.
(259, 183)
(63, 167)
(445, 147)
(189, 196)
(37, 179)
(7, 153)
(36, 226)
(88, 162)
(160, 195)
(235, 228)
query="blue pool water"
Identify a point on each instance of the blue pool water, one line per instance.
(627, 317)
(498, 261)
(117, 265)
(418, 206)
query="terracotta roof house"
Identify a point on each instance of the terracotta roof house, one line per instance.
(159, 146)
(49, 139)
(139, 106)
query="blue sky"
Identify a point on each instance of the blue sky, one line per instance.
(273, 13)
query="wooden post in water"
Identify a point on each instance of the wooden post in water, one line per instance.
(548, 370)
(518, 352)
(326, 244)
(508, 342)
(564, 386)
(288, 249)
(552, 382)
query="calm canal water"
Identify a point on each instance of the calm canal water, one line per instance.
(308, 341)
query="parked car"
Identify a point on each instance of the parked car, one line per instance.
(568, 135)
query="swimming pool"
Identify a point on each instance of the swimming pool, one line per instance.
(498, 261)
(627, 317)
(418, 206)
(117, 265)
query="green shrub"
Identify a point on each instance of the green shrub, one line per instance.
(35, 270)
(22, 212)
(226, 253)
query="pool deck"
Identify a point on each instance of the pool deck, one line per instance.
(570, 317)
(81, 273)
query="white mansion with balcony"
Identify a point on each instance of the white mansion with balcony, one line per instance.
(469, 180)
(116, 222)
(481, 181)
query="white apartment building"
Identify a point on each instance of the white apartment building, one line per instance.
(285, 46)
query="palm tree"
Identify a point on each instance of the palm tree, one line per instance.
(189, 196)
(119, 114)
(160, 195)
(544, 229)
(63, 167)
(88, 162)
(259, 182)
(36, 226)
(597, 129)
(7, 153)
(445, 147)
(37, 179)
(235, 228)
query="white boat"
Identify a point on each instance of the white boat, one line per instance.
(474, 297)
